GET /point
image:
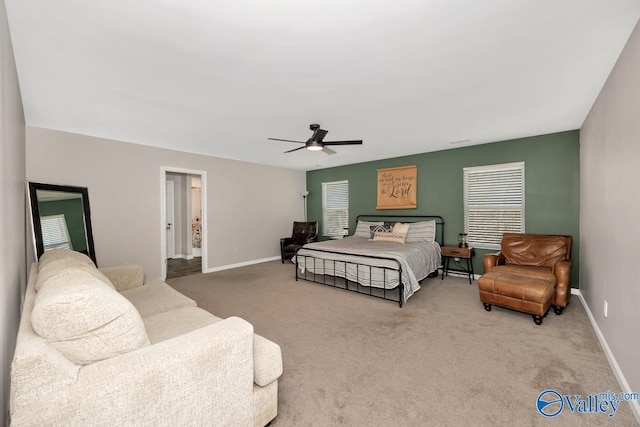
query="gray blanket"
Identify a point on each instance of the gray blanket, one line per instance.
(416, 259)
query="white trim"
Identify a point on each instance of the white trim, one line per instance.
(241, 264)
(163, 215)
(635, 404)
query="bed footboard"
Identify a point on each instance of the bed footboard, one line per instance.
(359, 277)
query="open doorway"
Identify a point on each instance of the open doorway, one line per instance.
(183, 231)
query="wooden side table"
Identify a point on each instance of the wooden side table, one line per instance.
(467, 254)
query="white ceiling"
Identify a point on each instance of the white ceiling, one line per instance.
(409, 76)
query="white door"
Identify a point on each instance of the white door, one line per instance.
(170, 220)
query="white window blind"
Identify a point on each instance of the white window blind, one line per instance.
(335, 207)
(493, 203)
(55, 233)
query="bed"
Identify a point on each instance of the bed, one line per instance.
(379, 268)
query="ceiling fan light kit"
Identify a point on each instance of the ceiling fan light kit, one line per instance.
(314, 146)
(315, 143)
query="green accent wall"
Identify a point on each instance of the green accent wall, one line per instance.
(552, 186)
(73, 211)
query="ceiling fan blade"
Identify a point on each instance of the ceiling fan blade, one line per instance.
(319, 135)
(329, 151)
(359, 142)
(295, 149)
(286, 140)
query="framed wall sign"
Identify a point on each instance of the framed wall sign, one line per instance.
(397, 188)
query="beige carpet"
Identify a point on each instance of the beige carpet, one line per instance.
(440, 360)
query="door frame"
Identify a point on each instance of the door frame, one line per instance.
(169, 184)
(163, 215)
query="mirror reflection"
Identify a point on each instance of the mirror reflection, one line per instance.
(61, 218)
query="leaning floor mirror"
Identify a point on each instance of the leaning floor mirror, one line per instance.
(61, 218)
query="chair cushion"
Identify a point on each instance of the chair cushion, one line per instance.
(85, 319)
(539, 272)
(539, 250)
(304, 232)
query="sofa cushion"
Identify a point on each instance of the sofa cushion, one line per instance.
(125, 277)
(86, 320)
(60, 253)
(67, 266)
(155, 297)
(164, 326)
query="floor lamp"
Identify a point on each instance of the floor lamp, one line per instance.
(304, 198)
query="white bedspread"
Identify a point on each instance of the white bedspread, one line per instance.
(416, 259)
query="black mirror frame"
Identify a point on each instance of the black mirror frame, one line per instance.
(35, 215)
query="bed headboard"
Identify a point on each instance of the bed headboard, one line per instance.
(408, 218)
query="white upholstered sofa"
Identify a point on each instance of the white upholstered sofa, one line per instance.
(104, 348)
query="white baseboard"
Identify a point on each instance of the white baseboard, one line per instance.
(635, 404)
(241, 264)
(457, 273)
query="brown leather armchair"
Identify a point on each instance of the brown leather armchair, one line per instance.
(531, 273)
(303, 233)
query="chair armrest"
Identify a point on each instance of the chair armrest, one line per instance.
(124, 277)
(286, 240)
(191, 379)
(491, 260)
(562, 271)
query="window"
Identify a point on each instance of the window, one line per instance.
(55, 233)
(493, 203)
(335, 207)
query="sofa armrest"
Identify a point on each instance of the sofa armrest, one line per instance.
(267, 361)
(192, 379)
(491, 260)
(562, 271)
(124, 277)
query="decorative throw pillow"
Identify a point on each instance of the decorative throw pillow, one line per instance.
(389, 237)
(86, 320)
(424, 231)
(400, 228)
(378, 229)
(363, 228)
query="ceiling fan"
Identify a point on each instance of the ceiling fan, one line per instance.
(315, 143)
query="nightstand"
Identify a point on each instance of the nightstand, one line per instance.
(467, 254)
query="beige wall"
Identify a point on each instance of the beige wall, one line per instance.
(12, 209)
(610, 210)
(249, 206)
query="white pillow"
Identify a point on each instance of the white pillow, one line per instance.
(363, 229)
(424, 231)
(400, 228)
(86, 320)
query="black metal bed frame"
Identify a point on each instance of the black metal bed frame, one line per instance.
(346, 284)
